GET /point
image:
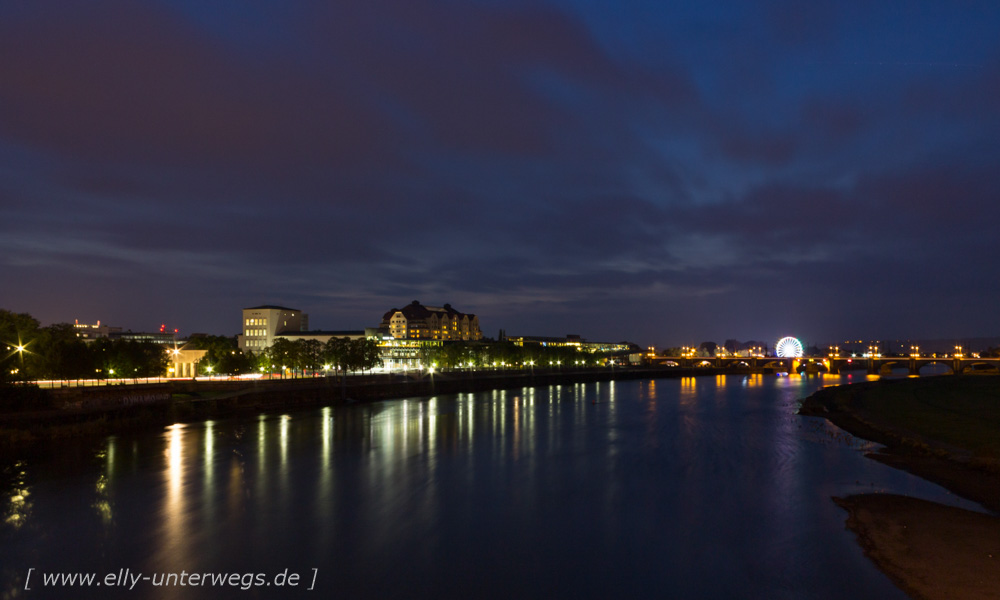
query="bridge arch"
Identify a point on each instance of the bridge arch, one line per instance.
(737, 363)
(944, 363)
(778, 366)
(887, 367)
(809, 366)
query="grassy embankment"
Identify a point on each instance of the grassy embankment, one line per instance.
(946, 430)
(951, 418)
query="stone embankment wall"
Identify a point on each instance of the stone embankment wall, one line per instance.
(192, 400)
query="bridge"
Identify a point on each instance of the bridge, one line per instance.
(874, 364)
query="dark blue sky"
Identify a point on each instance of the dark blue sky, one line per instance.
(666, 173)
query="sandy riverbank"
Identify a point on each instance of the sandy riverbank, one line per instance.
(942, 434)
(931, 551)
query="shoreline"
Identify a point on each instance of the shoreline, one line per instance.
(953, 468)
(929, 550)
(99, 411)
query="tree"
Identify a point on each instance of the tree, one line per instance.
(283, 353)
(336, 352)
(61, 354)
(128, 359)
(371, 355)
(18, 332)
(261, 362)
(222, 355)
(309, 354)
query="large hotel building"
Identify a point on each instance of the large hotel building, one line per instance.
(417, 322)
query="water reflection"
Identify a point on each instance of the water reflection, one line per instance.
(174, 543)
(19, 506)
(102, 501)
(712, 480)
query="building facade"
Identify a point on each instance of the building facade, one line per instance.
(570, 341)
(418, 322)
(324, 336)
(261, 324)
(183, 362)
(88, 333)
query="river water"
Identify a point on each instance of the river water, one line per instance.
(707, 487)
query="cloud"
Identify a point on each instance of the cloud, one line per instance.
(523, 160)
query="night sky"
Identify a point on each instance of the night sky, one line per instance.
(661, 172)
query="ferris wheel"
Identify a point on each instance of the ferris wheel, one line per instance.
(788, 347)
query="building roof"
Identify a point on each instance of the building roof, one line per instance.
(415, 310)
(272, 306)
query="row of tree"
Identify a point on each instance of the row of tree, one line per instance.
(338, 355)
(31, 352)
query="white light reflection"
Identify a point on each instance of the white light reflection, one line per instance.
(283, 438)
(261, 456)
(209, 453)
(261, 447)
(327, 416)
(432, 408)
(208, 486)
(175, 466)
(174, 521)
(102, 502)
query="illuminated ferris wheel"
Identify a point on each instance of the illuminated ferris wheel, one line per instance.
(788, 347)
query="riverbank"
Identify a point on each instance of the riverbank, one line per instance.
(943, 429)
(99, 411)
(929, 550)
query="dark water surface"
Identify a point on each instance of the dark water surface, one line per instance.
(677, 488)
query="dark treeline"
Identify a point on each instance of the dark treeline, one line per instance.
(32, 352)
(342, 355)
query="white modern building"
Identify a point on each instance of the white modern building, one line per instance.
(261, 324)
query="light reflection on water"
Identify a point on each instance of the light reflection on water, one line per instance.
(697, 487)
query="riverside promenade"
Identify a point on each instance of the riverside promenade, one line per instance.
(101, 410)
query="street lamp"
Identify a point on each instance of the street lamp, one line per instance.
(20, 352)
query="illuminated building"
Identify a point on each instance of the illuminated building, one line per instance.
(325, 336)
(403, 354)
(570, 341)
(88, 333)
(156, 337)
(261, 324)
(183, 361)
(417, 322)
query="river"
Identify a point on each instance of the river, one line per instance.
(707, 487)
